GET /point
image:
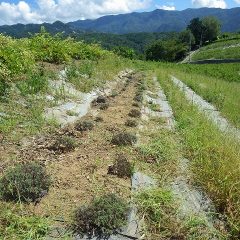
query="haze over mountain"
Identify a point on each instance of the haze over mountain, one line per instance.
(155, 21)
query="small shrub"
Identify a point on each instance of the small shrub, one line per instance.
(114, 94)
(122, 167)
(131, 123)
(84, 126)
(101, 99)
(4, 88)
(27, 183)
(124, 139)
(136, 104)
(104, 106)
(98, 119)
(138, 98)
(102, 217)
(63, 144)
(134, 113)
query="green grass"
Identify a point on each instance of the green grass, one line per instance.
(222, 44)
(223, 95)
(16, 224)
(227, 72)
(222, 90)
(214, 157)
(218, 53)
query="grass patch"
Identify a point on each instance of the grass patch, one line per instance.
(214, 156)
(18, 224)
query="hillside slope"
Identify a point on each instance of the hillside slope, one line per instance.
(158, 21)
(155, 21)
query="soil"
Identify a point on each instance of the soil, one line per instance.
(81, 174)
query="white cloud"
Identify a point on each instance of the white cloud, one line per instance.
(210, 3)
(66, 10)
(164, 7)
(237, 1)
(21, 12)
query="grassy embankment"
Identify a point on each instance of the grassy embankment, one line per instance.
(219, 84)
(26, 67)
(214, 157)
(229, 49)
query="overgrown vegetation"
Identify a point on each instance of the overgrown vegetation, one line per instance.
(220, 155)
(18, 224)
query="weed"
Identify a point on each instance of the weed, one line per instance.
(72, 113)
(18, 224)
(103, 217)
(114, 94)
(83, 126)
(155, 107)
(124, 139)
(159, 211)
(122, 167)
(27, 182)
(35, 83)
(134, 113)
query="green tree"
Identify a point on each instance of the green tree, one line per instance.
(124, 52)
(211, 26)
(169, 50)
(196, 27)
(205, 30)
(186, 37)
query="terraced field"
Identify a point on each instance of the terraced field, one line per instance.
(95, 145)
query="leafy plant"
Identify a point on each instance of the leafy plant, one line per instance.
(26, 182)
(101, 218)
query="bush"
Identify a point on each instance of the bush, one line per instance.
(122, 167)
(131, 123)
(102, 217)
(27, 182)
(84, 126)
(124, 139)
(134, 113)
(162, 50)
(104, 106)
(63, 144)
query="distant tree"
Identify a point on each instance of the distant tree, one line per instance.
(196, 27)
(125, 52)
(211, 27)
(168, 50)
(186, 37)
(205, 30)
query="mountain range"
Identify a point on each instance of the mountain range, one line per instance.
(155, 21)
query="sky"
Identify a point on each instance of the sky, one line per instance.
(38, 11)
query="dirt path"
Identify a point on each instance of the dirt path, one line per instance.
(81, 175)
(209, 110)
